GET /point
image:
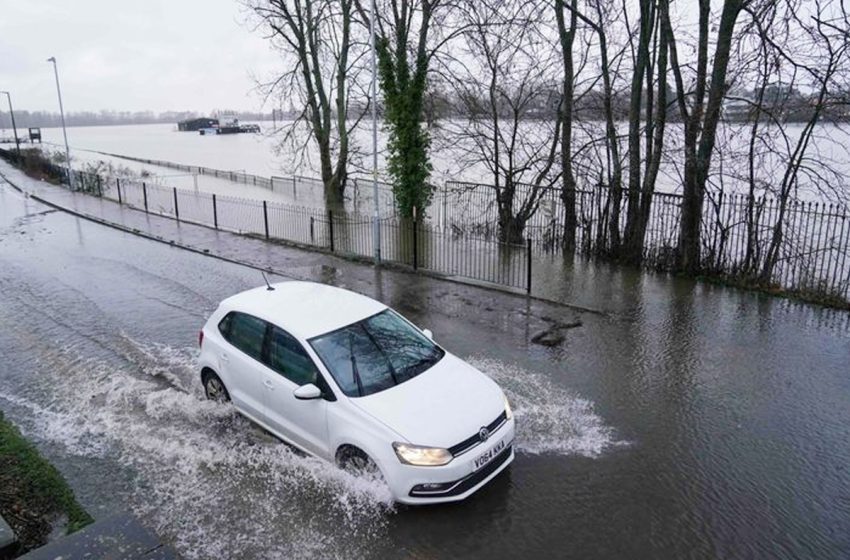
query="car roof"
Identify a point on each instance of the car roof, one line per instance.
(304, 309)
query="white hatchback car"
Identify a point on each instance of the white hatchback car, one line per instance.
(345, 378)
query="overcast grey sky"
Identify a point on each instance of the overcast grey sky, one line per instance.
(131, 55)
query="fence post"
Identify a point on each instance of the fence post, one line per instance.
(99, 186)
(145, 195)
(415, 243)
(312, 241)
(528, 266)
(331, 228)
(176, 208)
(266, 218)
(118, 187)
(215, 213)
(445, 207)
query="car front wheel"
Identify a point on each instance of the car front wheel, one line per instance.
(357, 462)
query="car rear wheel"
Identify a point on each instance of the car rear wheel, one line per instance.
(214, 389)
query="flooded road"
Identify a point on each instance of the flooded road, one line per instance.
(691, 421)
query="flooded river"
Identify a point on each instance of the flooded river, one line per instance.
(687, 421)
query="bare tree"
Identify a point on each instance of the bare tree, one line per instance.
(505, 87)
(821, 28)
(567, 36)
(699, 107)
(649, 59)
(315, 38)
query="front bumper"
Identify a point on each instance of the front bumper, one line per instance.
(457, 480)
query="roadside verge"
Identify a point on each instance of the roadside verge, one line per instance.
(34, 496)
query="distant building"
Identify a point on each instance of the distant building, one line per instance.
(194, 125)
(228, 124)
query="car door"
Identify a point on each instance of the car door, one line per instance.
(241, 362)
(304, 422)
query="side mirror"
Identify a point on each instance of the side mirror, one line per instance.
(307, 392)
(428, 333)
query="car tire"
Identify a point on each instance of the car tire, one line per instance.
(214, 388)
(357, 462)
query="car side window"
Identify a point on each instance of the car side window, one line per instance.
(287, 357)
(246, 333)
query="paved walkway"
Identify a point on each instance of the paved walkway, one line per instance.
(119, 537)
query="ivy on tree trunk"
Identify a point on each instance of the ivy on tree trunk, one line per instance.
(404, 86)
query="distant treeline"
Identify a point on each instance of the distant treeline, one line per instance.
(739, 106)
(24, 119)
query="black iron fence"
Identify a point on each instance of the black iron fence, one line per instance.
(410, 242)
(414, 243)
(790, 245)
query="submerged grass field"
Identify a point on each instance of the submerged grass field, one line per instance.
(33, 494)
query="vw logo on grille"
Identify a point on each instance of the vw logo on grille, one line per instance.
(483, 434)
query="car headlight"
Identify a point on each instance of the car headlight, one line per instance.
(508, 412)
(421, 456)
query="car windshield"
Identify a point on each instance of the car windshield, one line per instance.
(376, 353)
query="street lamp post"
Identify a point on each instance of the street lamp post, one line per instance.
(64, 131)
(14, 127)
(376, 218)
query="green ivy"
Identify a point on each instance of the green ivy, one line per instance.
(404, 92)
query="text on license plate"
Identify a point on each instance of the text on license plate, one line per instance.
(487, 456)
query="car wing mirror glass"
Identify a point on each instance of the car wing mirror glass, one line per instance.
(428, 333)
(307, 392)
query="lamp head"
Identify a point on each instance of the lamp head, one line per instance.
(52, 59)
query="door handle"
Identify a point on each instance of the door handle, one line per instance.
(224, 358)
(269, 385)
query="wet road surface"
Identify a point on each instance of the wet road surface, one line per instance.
(692, 421)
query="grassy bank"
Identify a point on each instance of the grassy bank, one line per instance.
(33, 494)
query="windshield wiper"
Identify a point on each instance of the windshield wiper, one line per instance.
(390, 367)
(426, 361)
(354, 371)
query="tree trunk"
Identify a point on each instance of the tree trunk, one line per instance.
(568, 183)
(632, 251)
(699, 147)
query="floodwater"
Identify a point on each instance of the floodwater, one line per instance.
(266, 155)
(688, 421)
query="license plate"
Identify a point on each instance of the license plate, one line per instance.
(488, 456)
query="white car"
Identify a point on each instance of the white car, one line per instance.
(345, 378)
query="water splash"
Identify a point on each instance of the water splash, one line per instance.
(549, 418)
(206, 479)
(214, 485)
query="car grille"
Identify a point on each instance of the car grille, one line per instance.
(474, 440)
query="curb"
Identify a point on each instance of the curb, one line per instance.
(8, 540)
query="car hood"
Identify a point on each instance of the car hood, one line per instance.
(440, 407)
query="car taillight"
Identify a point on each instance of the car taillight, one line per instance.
(200, 338)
